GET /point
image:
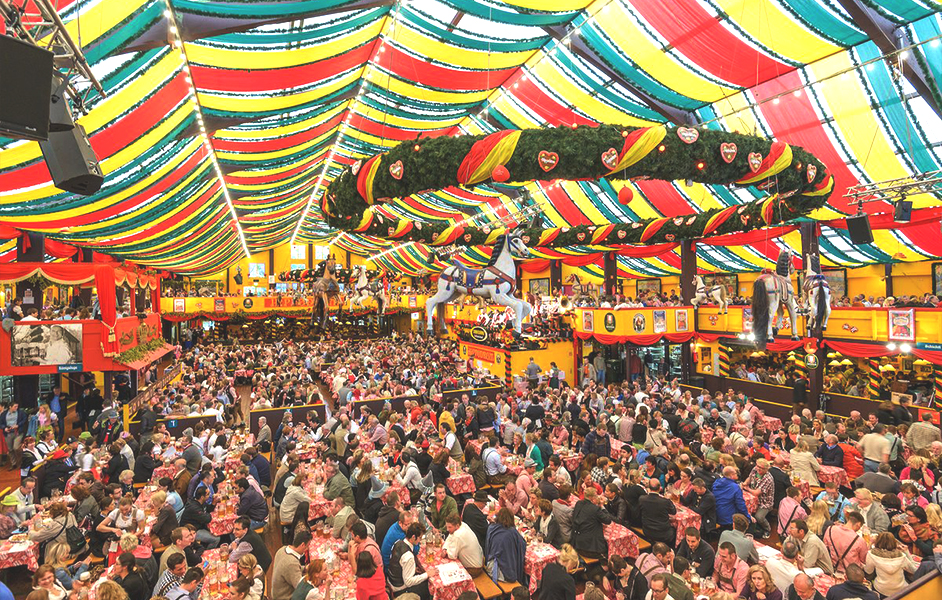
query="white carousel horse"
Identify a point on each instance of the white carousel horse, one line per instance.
(325, 286)
(704, 294)
(496, 281)
(364, 288)
(818, 292)
(770, 293)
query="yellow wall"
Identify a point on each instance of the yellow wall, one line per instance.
(912, 278)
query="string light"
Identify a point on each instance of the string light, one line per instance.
(177, 43)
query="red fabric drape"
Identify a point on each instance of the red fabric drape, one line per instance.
(535, 266)
(859, 350)
(709, 337)
(784, 345)
(10, 233)
(59, 249)
(75, 274)
(98, 257)
(646, 251)
(155, 295)
(933, 356)
(638, 340)
(748, 237)
(887, 221)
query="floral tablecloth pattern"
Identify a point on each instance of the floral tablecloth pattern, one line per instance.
(621, 541)
(683, 519)
(461, 483)
(19, 554)
(447, 578)
(538, 556)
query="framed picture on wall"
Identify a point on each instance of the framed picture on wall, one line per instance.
(937, 279)
(588, 320)
(837, 280)
(680, 320)
(540, 287)
(902, 325)
(730, 281)
(649, 285)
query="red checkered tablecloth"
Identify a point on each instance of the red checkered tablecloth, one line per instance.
(462, 483)
(166, 471)
(621, 541)
(340, 573)
(19, 554)
(752, 502)
(835, 474)
(477, 445)
(770, 423)
(538, 556)
(683, 519)
(219, 574)
(447, 579)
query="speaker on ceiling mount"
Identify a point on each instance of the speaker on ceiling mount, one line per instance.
(904, 211)
(60, 115)
(72, 162)
(858, 227)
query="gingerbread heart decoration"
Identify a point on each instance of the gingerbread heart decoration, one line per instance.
(812, 173)
(580, 236)
(467, 238)
(486, 230)
(418, 226)
(356, 167)
(755, 161)
(391, 231)
(688, 135)
(395, 169)
(547, 160)
(610, 159)
(728, 151)
(691, 220)
(526, 239)
(622, 234)
(678, 221)
(635, 225)
(669, 237)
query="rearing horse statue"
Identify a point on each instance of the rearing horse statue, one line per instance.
(496, 281)
(322, 289)
(771, 292)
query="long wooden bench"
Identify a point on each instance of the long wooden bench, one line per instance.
(487, 589)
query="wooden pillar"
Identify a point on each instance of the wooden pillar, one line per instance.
(556, 277)
(888, 280)
(688, 273)
(310, 256)
(809, 245)
(29, 248)
(610, 273)
(271, 264)
(227, 280)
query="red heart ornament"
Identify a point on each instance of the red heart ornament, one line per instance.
(356, 167)
(391, 230)
(688, 135)
(610, 159)
(526, 239)
(669, 237)
(395, 170)
(678, 221)
(580, 236)
(547, 160)
(728, 151)
(755, 161)
(486, 230)
(812, 172)
(622, 234)
(467, 238)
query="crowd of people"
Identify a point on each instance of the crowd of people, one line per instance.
(134, 515)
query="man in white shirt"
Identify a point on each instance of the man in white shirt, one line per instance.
(462, 544)
(783, 570)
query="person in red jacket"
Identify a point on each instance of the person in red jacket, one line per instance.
(853, 460)
(371, 585)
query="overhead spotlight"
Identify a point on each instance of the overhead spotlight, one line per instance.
(891, 346)
(904, 210)
(751, 337)
(905, 348)
(904, 55)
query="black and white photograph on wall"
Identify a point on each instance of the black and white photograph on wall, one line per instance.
(40, 345)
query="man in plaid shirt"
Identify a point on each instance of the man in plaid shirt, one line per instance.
(761, 485)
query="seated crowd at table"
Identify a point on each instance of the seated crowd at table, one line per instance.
(642, 491)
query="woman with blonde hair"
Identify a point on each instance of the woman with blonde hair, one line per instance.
(934, 516)
(59, 558)
(251, 572)
(820, 518)
(760, 586)
(804, 464)
(109, 590)
(916, 471)
(556, 583)
(166, 519)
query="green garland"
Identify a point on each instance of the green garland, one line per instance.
(436, 162)
(139, 352)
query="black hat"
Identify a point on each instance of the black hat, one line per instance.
(481, 496)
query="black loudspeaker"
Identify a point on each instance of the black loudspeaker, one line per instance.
(60, 117)
(859, 229)
(238, 278)
(26, 79)
(903, 212)
(72, 162)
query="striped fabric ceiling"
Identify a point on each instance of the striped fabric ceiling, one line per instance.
(290, 92)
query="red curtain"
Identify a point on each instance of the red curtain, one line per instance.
(859, 350)
(155, 295)
(646, 251)
(638, 340)
(59, 249)
(748, 237)
(933, 356)
(537, 265)
(710, 337)
(784, 345)
(75, 274)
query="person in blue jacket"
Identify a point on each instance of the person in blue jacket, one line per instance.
(729, 498)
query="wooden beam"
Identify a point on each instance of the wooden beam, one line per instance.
(890, 39)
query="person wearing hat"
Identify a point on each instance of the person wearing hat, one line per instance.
(110, 428)
(7, 523)
(473, 515)
(58, 472)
